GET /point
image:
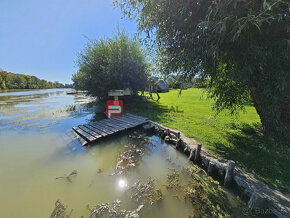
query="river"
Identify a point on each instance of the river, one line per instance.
(38, 152)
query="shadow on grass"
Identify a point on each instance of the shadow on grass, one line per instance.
(136, 105)
(265, 157)
(147, 108)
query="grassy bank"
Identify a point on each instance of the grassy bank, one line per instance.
(235, 138)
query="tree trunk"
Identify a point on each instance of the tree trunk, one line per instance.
(275, 117)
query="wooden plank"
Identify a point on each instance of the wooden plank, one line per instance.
(137, 120)
(123, 122)
(84, 134)
(102, 133)
(100, 128)
(112, 129)
(132, 123)
(124, 119)
(115, 125)
(79, 139)
(130, 120)
(100, 125)
(135, 117)
(91, 132)
(96, 130)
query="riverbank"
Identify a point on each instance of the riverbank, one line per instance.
(259, 197)
(235, 138)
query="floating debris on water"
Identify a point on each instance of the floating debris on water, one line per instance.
(191, 185)
(105, 210)
(60, 211)
(128, 159)
(68, 178)
(146, 193)
(173, 181)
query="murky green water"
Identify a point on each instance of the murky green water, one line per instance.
(38, 151)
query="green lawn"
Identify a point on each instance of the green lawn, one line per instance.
(234, 138)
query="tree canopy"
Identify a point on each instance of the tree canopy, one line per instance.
(21, 81)
(242, 46)
(111, 63)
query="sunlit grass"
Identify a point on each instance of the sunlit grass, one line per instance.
(228, 136)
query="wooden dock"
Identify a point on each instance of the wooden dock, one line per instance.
(96, 130)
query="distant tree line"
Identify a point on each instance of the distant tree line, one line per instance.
(20, 81)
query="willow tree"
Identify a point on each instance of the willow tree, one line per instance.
(242, 46)
(117, 62)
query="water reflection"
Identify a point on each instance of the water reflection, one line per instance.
(122, 184)
(41, 109)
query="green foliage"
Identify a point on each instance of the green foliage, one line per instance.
(111, 63)
(227, 93)
(177, 84)
(244, 44)
(3, 85)
(199, 82)
(79, 80)
(21, 81)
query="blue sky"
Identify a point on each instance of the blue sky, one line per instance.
(41, 38)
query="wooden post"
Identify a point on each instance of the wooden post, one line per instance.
(162, 135)
(197, 153)
(153, 129)
(178, 143)
(229, 172)
(210, 168)
(191, 156)
(167, 132)
(178, 135)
